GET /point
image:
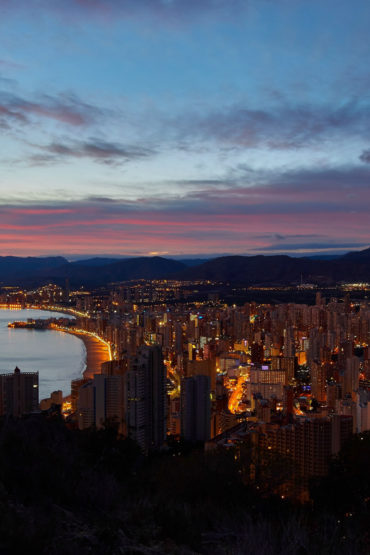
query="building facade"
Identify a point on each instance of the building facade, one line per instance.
(19, 393)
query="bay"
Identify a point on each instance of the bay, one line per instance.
(58, 357)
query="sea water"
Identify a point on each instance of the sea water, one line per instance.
(58, 357)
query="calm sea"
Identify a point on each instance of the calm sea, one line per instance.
(58, 357)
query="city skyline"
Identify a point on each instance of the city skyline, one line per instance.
(184, 128)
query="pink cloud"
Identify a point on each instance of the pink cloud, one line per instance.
(224, 233)
(41, 211)
(301, 210)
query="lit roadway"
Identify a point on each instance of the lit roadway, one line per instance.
(76, 331)
(174, 377)
(236, 395)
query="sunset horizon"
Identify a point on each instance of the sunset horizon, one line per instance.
(184, 127)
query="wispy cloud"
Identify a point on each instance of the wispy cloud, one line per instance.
(313, 247)
(96, 149)
(10, 64)
(282, 126)
(365, 156)
(64, 108)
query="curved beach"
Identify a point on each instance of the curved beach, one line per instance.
(97, 352)
(58, 357)
(59, 360)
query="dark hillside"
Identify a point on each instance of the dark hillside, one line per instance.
(65, 492)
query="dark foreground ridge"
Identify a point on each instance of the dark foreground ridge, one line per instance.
(65, 492)
(247, 270)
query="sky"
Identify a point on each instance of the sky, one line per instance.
(184, 127)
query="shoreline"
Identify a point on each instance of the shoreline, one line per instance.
(97, 351)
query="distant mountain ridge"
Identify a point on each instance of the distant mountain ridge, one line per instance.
(93, 275)
(16, 268)
(96, 261)
(283, 269)
(101, 261)
(260, 269)
(357, 255)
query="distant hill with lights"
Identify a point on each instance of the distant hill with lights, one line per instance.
(248, 270)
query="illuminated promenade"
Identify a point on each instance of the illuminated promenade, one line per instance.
(97, 350)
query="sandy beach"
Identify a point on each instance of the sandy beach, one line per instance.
(97, 352)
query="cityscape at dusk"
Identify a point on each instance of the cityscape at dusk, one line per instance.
(184, 277)
(177, 127)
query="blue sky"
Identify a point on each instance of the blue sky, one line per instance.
(148, 126)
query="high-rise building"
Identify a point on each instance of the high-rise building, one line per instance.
(174, 420)
(195, 408)
(205, 367)
(257, 353)
(288, 365)
(318, 380)
(75, 391)
(265, 381)
(145, 398)
(310, 443)
(288, 401)
(289, 342)
(114, 367)
(350, 375)
(19, 393)
(101, 400)
(86, 405)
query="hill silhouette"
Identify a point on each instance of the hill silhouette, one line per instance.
(247, 270)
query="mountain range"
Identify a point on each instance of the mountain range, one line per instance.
(247, 270)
